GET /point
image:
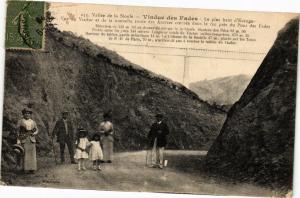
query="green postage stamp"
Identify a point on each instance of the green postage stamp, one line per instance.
(25, 25)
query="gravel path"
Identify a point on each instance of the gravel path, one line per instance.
(129, 173)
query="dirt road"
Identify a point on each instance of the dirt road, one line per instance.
(129, 173)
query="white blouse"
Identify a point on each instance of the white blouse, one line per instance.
(28, 124)
(106, 126)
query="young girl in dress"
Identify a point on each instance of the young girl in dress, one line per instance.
(96, 154)
(81, 154)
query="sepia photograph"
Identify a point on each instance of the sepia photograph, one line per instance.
(149, 99)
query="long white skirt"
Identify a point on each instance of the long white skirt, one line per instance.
(108, 147)
(30, 162)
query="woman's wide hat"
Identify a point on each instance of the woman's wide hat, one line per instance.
(26, 110)
(65, 112)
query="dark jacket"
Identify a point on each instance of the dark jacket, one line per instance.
(159, 131)
(60, 131)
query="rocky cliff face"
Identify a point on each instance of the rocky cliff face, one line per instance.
(221, 91)
(75, 75)
(257, 140)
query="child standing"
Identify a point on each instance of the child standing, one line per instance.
(96, 154)
(82, 143)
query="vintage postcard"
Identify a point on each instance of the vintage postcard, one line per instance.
(149, 99)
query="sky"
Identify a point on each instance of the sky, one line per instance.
(183, 63)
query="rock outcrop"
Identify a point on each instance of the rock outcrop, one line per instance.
(256, 142)
(75, 75)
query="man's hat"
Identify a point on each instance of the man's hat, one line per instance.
(106, 115)
(18, 149)
(26, 110)
(159, 115)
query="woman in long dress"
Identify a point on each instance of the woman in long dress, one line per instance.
(27, 130)
(107, 131)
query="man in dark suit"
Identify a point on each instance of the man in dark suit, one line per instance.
(158, 139)
(65, 136)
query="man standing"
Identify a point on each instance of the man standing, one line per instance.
(65, 135)
(158, 139)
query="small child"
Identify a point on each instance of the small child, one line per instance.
(96, 154)
(81, 154)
